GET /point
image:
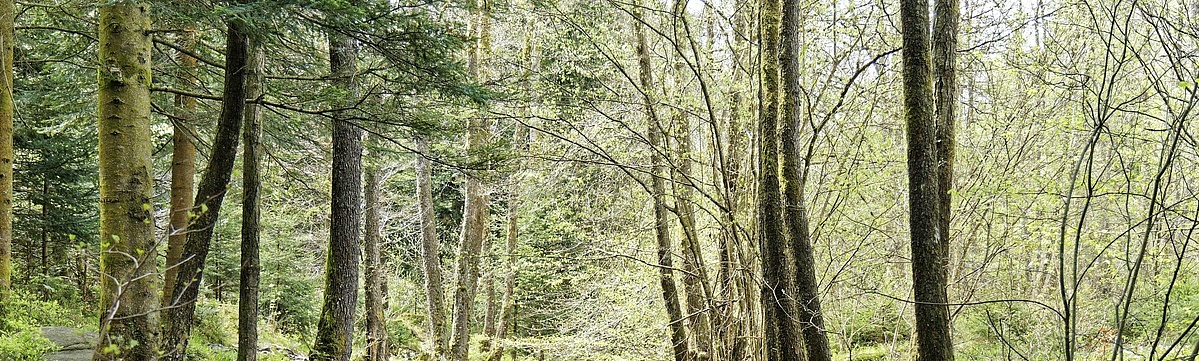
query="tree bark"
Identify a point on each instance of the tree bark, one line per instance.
(247, 302)
(945, 40)
(475, 210)
(674, 312)
(335, 330)
(430, 245)
(376, 326)
(928, 260)
(7, 38)
(183, 168)
(210, 195)
(808, 311)
(128, 269)
(783, 341)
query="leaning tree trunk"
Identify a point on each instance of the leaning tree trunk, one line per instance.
(376, 330)
(784, 340)
(183, 167)
(430, 246)
(210, 195)
(335, 330)
(808, 311)
(128, 267)
(475, 211)
(928, 260)
(670, 293)
(505, 317)
(247, 301)
(7, 38)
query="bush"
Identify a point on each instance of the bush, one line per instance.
(25, 345)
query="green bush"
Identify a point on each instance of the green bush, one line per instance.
(24, 345)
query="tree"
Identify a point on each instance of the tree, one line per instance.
(129, 323)
(430, 245)
(795, 210)
(7, 37)
(784, 341)
(209, 195)
(374, 277)
(944, 48)
(475, 211)
(928, 258)
(335, 330)
(670, 296)
(251, 204)
(183, 167)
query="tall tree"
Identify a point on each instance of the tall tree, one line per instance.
(695, 279)
(928, 261)
(129, 323)
(430, 245)
(808, 311)
(183, 166)
(475, 213)
(209, 195)
(7, 37)
(375, 282)
(784, 341)
(335, 330)
(674, 312)
(945, 41)
(247, 301)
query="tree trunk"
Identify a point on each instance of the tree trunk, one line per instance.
(430, 245)
(183, 168)
(128, 254)
(335, 330)
(475, 211)
(928, 260)
(674, 312)
(506, 310)
(695, 281)
(945, 40)
(808, 311)
(376, 327)
(492, 307)
(247, 302)
(7, 37)
(210, 195)
(783, 341)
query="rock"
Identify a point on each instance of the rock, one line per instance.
(74, 355)
(70, 339)
(74, 344)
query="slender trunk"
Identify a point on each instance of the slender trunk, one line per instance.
(7, 38)
(492, 307)
(695, 281)
(434, 291)
(944, 47)
(506, 310)
(928, 261)
(183, 168)
(247, 301)
(335, 329)
(376, 327)
(475, 211)
(807, 290)
(674, 312)
(210, 195)
(129, 272)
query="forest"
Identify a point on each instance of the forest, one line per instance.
(608, 180)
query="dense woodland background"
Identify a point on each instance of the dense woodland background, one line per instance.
(601, 180)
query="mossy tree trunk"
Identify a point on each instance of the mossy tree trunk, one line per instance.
(430, 246)
(247, 301)
(209, 195)
(7, 38)
(335, 329)
(183, 167)
(129, 273)
(928, 261)
(375, 288)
